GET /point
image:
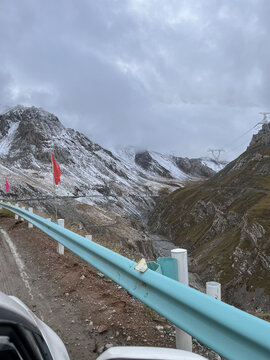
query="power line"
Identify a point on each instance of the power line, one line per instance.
(240, 136)
(262, 122)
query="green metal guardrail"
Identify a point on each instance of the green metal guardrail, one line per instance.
(229, 331)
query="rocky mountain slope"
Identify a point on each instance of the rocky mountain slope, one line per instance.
(224, 223)
(126, 185)
(100, 190)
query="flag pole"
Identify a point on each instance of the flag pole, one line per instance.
(54, 190)
(55, 205)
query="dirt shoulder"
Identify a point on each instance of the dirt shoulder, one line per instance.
(86, 309)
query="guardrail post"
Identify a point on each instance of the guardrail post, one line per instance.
(23, 208)
(30, 225)
(213, 289)
(16, 216)
(183, 340)
(60, 247)
(49, 219)
(89, 237)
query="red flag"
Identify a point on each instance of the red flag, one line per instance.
(7, 185)
(56, 171)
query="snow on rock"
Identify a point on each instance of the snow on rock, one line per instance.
(125, 180)
(6, 141)
(213, 164)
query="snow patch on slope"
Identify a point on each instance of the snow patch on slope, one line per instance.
(5, 142)
(166, 162)
(213, 164)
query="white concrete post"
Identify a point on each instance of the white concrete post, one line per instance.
(16, 216)
(23, 208)
(183, 340)
(29, 224)
(60, 247)
(89, 237)
(213, 289)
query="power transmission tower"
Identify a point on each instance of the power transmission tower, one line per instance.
(265, 118)
(265, 136)
(215, 153)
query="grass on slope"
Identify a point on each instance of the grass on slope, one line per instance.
(241, 190)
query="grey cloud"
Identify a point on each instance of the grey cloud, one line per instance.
(170, 75)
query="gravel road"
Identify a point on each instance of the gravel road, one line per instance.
(86, 309)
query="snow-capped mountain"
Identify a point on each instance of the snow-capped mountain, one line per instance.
(126, 179)
(167, 165)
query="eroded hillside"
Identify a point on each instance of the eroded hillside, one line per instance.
(224, 222)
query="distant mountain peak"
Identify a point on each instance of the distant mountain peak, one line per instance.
(20, 109)
(28, 133)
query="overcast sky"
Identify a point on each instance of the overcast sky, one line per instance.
(169, 75)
